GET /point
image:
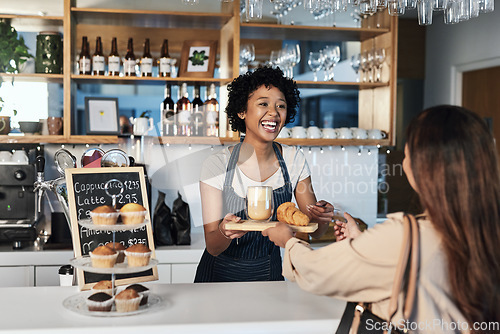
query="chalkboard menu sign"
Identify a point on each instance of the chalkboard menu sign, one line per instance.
(87, 190)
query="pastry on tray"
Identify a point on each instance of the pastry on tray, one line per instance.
(127, 301)
(103, 257)
(103, 286)
(290, 214)
(104, 215)
(138, 255)
(117, 246)
(142, 291)
(99, 302)
(132, 214)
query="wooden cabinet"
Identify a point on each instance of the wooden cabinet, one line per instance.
(376, 100)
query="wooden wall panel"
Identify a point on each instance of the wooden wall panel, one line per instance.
(365, 109)
(480, 94)
(411, 49)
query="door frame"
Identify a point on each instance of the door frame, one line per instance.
(457, 76)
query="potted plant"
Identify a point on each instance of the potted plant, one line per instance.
(13, 49)
(13, 53)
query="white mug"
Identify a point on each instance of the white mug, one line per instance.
(376, 134)
(20, 157)
(299, 132)
(142, 125)
(329, 133)
(5, 156)
(358, 133)
(344, 133)
(284, 133)
(313, 132)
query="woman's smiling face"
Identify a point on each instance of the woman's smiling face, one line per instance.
(266, 113)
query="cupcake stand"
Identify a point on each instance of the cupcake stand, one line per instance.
(77, 303)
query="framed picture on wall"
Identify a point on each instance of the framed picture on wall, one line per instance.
(198, 59)
(102, 115)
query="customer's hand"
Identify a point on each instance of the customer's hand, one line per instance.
(345, 230)
(279, 234)
(230, 234)
(321, 212)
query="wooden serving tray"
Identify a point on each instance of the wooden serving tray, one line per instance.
(250, 225)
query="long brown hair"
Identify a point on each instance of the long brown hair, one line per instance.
(455, 166)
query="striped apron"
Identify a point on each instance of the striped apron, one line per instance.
(252, 257)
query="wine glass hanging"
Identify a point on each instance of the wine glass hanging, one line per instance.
(455, 11)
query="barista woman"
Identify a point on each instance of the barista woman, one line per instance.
(260, 104)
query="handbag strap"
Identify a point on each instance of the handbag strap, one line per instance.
(409, 250)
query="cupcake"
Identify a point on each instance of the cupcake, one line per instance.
(103, 257)
(138, 255)
(99, 302)
(103, 286)
(117, 246)
(127, 301)
(104, 215)
(142, 291)
(133, 214)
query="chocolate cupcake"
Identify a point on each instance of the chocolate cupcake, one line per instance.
(100, 302)
(142, 291)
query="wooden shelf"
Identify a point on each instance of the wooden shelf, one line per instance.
(38, 139)
(32, 77)
(31, 139)
(180, 80)
(286, 141)
(34, 17)
(307, 33)
(73, 139)
(333, 142)
(145, 80)
(150, 18)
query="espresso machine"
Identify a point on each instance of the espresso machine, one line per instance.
(19, 219)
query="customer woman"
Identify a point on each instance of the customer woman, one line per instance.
(451, 162)
(260, 104)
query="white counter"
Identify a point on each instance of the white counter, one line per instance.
(263, 307)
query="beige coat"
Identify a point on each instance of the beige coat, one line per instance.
(363, 269)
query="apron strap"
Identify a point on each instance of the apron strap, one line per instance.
(284, 169)
(231, 166)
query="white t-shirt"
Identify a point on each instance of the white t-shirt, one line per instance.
(213, 171)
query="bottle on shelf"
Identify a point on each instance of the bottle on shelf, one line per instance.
(165, 62)
(184, 108)
(211, 107)
(146, 61)
(198, 116)
(84, 61)
(114, 59)
(168, 107)
(129, 61)
(98, 58)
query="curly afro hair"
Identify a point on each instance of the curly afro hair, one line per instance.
(243, 86)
